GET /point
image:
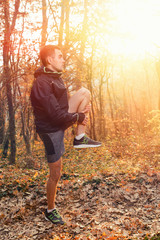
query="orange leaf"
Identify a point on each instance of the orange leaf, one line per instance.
(123, 182)
(65, 181)
(133, 177)
(2, 215)
(35, 175)
(56, 238)
(150, 172)
(150, 180)
(112, 238)
(148, 206)
(15, 192)
(128, 189)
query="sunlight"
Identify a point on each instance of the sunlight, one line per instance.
(135, 30)
(134, 27)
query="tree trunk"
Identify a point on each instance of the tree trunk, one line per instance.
(7, 73)
(158, 73)
(102, 131)
(111, 108)
(67, 12)
(80, 63)
(25, 123)
(44, 23)
(25, 134)
(84, 30)
(92, 114)
(7, 78)
(60, 40)
(2, 119)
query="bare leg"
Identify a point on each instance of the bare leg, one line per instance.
(77, 103)
(54, 175)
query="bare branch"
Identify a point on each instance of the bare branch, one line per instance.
(17, 3)
(56, 24)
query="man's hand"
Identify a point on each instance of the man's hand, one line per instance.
(85, 121)
(87, 109)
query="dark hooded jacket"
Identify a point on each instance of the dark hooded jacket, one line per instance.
(50, 102)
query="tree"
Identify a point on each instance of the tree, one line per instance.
(83, 39)
(44, 23)
(8, 30)
(60, 39)
(2, 115)
(158, 73)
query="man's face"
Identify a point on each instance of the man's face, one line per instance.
(56, 61)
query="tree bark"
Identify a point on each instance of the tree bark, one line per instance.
(7, 72)
(25, 122)
(158, 73)
(7, 78)
(25, 134)
(84, 30)
(2, 120)
(67, 12)
(60, 40)
(111, 108)
(44, 23)
(101, 109)
(90, 87)
(80, 63)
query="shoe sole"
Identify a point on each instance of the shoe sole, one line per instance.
(55, 222)
(86, 146)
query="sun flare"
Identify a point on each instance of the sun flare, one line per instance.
(135, 29)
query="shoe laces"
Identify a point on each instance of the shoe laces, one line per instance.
(56, 213)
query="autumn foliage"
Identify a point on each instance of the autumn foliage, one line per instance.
(107, 193)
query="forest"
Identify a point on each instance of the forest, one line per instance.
(111, 47)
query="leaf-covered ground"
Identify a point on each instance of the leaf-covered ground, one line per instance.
(112, 192)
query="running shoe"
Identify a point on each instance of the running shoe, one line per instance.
(54, 217)
(85, 142)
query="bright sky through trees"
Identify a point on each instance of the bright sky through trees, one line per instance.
(136, 27)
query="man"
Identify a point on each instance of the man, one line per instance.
(53, 114)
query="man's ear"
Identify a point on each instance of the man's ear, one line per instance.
(48, 60)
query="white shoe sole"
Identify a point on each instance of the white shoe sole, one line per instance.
(86, 146)
(47, 219)
(52, 222)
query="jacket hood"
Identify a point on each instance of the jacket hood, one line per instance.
(44, 70)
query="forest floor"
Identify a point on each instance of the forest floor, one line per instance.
(110, 192)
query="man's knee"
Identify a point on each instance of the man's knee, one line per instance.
(55, 175)
(85, 92)
(55, 170)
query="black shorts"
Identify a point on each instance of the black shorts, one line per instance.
(54, 145)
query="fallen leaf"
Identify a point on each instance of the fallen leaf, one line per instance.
(35, 175)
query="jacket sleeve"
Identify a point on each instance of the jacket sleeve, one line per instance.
(44, 96)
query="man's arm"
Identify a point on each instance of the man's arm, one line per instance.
(44, 96)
